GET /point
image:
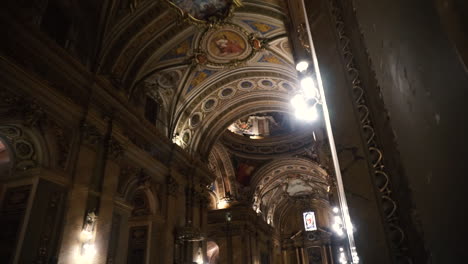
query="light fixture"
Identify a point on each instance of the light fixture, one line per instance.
(305, 102)
(87, 235)
(313, 87)
(308, 87)
(337, 225)
(88, 250)
(302, 66)
(342, 258)
(226, 201)
(199, 259)
(303, 108)
(354, 255)
(222, 204)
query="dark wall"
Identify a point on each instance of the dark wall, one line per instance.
(424, 86)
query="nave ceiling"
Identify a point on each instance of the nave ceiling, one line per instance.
(207, 76)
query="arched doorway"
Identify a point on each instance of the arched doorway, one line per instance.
(212, 252)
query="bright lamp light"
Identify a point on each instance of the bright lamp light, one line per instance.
(308, 87)
(302, 66)
(303, 110)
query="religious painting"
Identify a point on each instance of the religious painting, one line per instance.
(226, 44)
(244, 172)
(309, 221)
(263, 125)
(205, 10)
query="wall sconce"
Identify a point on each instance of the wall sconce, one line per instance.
(87, 236)
(226, 201)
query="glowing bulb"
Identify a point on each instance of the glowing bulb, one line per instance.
(336, 210)
(337, 226)
(222, 204)
(86, 235)
(308, 87)
(88, 250)
(302, 66)
(298, 101)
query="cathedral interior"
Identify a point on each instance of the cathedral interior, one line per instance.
(233, 131)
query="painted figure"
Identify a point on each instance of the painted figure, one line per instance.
(227, 47)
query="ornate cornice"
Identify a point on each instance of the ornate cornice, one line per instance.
(376, 159)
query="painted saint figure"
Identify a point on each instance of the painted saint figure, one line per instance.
(227, 47)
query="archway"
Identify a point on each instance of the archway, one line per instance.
(212, 252)
(6, 158)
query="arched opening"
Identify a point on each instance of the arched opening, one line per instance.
(212, 252)
(5, 158)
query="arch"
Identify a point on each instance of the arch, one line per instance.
(277, 184)
(135, 182)
(25, 146)
(6, 158)
(212, 252)
(213, 127)
(221, 165)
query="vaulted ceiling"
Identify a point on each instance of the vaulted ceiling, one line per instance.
(209, 68)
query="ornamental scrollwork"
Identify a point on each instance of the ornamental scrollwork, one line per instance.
(382, 178)
(23, 148)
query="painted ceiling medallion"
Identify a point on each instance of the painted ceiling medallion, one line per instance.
(227, 45)
(205, 11)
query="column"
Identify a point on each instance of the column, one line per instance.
(76, 206)
(106, 208)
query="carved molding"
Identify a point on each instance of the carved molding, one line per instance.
(382, 178)
(24, 149)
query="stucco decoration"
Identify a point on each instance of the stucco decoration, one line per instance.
(205, 11)
(22, 146)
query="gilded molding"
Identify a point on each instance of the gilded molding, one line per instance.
(389, 206)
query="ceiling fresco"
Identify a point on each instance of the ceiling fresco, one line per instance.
(263, 125)
(204, 11)
(223, 72)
